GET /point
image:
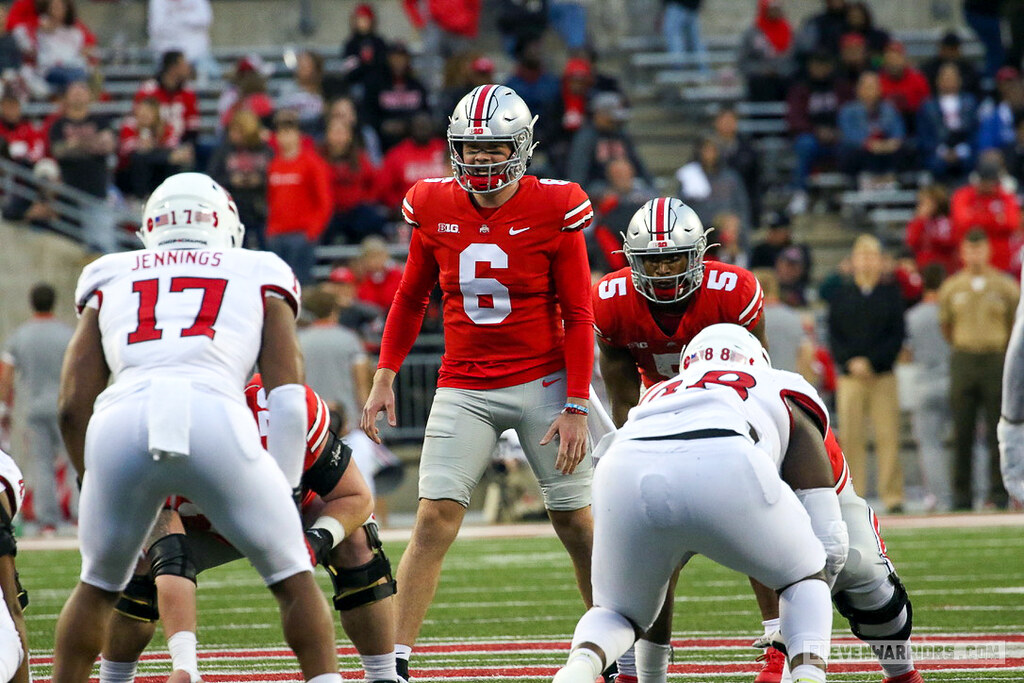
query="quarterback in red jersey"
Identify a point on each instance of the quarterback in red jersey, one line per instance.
(645, 315)
(341, 533)
(508, 252)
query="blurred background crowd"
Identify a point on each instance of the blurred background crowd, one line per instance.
(870, 177)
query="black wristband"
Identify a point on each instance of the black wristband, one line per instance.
(321, 541)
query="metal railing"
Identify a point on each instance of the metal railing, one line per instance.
(414, 392)
(81, 216)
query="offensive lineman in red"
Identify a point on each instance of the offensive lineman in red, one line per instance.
(645, 314)
(508, 252)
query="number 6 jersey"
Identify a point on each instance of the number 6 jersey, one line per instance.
(728, 294)
(183, 314)
(510, 278)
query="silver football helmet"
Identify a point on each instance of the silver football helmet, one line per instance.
(724, 343)
(491, 113)
(190, 211)
(665, 227)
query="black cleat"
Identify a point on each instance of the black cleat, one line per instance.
(402, 665)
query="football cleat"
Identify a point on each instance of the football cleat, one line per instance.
(402, 666)
(626, 678)
(909, 677)
(774, 668)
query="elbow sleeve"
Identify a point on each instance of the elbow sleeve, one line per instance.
(286, 430)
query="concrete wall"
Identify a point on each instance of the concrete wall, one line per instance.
(29, 256)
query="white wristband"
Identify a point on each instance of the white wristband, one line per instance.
(332, 526)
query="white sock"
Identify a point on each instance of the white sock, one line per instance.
(805, 613)
(585, 654)
(627, 663)
(609, 630)
(770, 626)
(325, 678)
(379, 667)
(652, 661)
(183, 653)
(403, 652)
(808, 673)
(117, 672)
(903, 663)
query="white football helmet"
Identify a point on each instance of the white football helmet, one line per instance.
(190, 211)
(491, 113)
(665, 227)
(724, 343)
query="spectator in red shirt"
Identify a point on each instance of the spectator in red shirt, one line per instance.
(23, 141)
(985, 204)
(902, 84)
(146, 152)
(356, 214)
(377, 276)
(179, 107)
(298, 198)
(930, 233)
(422, 155)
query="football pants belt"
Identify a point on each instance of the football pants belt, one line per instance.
(367, 583)
(859, 618)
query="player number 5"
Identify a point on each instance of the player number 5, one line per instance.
(486, 301)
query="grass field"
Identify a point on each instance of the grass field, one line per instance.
(507, 607)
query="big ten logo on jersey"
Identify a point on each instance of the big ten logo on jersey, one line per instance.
(448, 227)
(723, 280)
(617, 286)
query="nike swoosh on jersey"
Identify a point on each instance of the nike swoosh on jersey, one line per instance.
(516, 231)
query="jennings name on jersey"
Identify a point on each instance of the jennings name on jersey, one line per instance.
(623, 318)
(509, 277)
(194, 315)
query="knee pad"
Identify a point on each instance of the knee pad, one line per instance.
(859, 618)
(138, 599)
(171, 555)
(367, 583)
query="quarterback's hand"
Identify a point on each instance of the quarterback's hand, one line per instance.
(572, 441)
(1011, 457)
(381, 398)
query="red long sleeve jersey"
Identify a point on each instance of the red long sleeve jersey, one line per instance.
(515, 283)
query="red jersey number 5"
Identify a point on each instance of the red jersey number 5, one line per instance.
(486, 301)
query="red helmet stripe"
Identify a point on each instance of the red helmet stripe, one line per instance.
(660, 220)
(479, 106)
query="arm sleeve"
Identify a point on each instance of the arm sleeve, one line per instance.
(572, 278)
(286, 429)
(406, 314)
(1013, 370)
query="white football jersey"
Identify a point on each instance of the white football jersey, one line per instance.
(12, 482)
(187, 315)
(712, 395)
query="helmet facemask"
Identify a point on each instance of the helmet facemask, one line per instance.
(486, 178)
(667, 289)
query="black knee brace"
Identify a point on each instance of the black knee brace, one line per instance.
(885, 613)
(138, 599)
(171, 555)
(365, 584)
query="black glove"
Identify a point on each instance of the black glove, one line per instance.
(321, 541)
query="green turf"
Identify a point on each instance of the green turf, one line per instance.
(961, 581)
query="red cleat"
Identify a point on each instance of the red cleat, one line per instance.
(909, 677)
(774, 666)
(626, 678)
